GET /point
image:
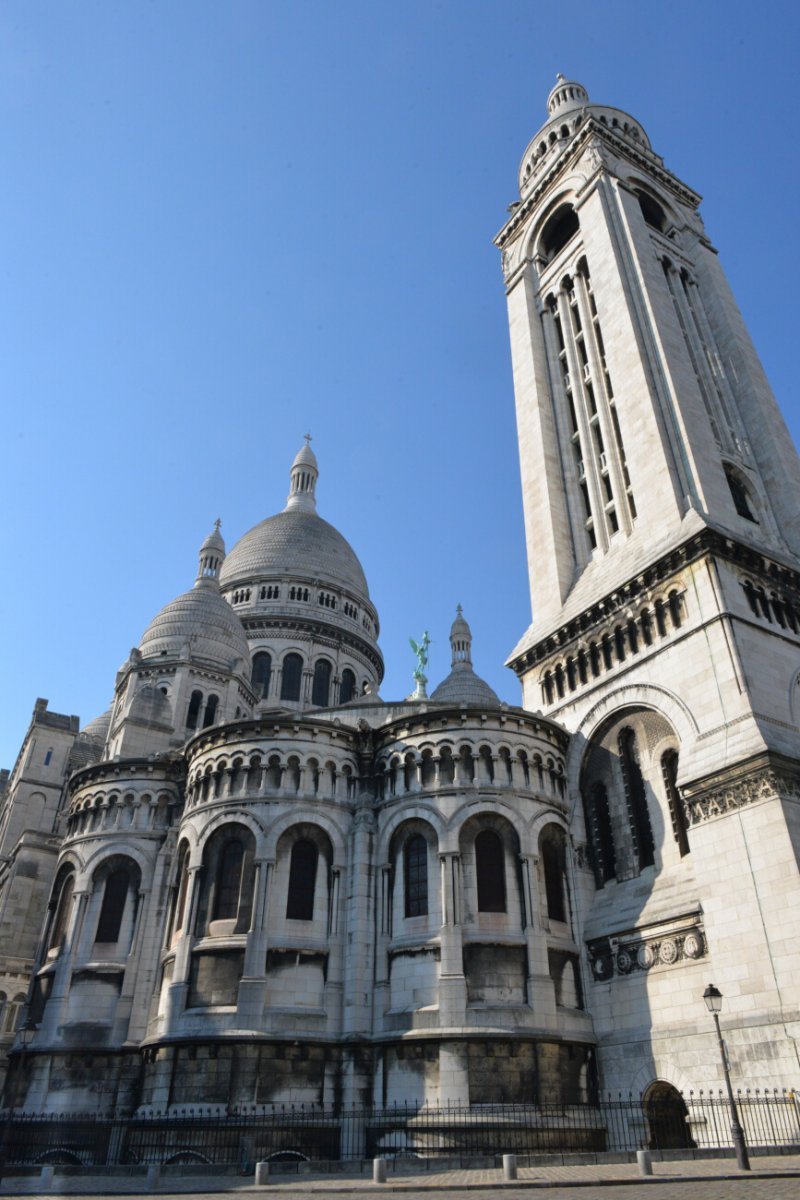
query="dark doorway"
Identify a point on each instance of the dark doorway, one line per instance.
(666, 1118)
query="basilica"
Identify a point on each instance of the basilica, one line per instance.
(255, 880)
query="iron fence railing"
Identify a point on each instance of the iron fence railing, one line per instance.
(205, 1136)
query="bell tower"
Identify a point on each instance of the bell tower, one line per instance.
(661, 495)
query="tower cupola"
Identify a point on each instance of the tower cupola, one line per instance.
(566, 96)
(304, 475)
(460, 639)
(212, 555)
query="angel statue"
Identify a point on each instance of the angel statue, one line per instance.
(421, 651)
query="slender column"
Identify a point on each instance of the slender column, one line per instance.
(452, 984)
(597, 373)
(577, 517)
(182, 952)
(575, 368)
(541, 989)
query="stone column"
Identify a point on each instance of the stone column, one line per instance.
(384, 937)
(359, 951)
(452, 984)
(253, 984)
(541, 989)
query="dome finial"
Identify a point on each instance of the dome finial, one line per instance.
(303, 474)
(566, 96)
(460, 640)
(212, 555)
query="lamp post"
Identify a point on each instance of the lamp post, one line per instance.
(713, 999)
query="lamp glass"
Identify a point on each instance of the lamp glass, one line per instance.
(713, 998)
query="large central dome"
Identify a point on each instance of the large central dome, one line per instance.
(294, 542)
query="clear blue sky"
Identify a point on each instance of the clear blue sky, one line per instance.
(223, 224)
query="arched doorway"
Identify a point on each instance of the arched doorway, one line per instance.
(666, 1118)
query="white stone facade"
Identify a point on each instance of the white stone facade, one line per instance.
(256, 882)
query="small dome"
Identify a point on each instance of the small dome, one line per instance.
(200, 623)
(462, 685)
(97, 730)
(200, 620)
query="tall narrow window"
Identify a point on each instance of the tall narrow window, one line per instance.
(210, 715)
(62, 911)
(741, 500)
(291, 677)
(262, 671)
(415, 872)
(111, 912)
(347, 688)
(553, 866)
(490, 872)
(321, 687)
(598, 828)
(194, 710)
(669, 771)
(183, 887)
(302, 881)
(228, 882)
(636, 799)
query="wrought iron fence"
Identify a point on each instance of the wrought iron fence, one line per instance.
(205, 1136)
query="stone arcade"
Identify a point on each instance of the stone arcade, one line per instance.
(255, 881)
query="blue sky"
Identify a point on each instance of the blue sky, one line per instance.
(224, 224)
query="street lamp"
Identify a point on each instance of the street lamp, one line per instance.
(713, 999)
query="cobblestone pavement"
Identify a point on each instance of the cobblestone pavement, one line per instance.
(773, 1178)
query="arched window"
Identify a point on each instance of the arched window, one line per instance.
(229, 882)
(669, 771)
(652, 212)
(113, 907)
(415, 874)
(63, 903)
(321, 687)
(598, 828)
(636, 799)
(183, 887)
(209, 716)
(302, 881)
(347, 688)
(490, 872)
(553, 865)
(740, 496)
(560, 228)
(291, 677)
(194, 710)
(262, 670)
(674, 602)
(13, 1013)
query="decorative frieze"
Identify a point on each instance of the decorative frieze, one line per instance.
(768, 783)
(627, 956)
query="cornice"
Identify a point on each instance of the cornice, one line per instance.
(646, 159)
(171, 770)
(706, 542)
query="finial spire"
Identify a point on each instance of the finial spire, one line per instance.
(303, 474)
(461, 640)
(212, 555)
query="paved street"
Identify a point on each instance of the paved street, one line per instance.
(775, 1178)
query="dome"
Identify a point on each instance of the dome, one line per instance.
(199, 622)
(295, 542)
(97, 730)
(462, 685)
(204, 620)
